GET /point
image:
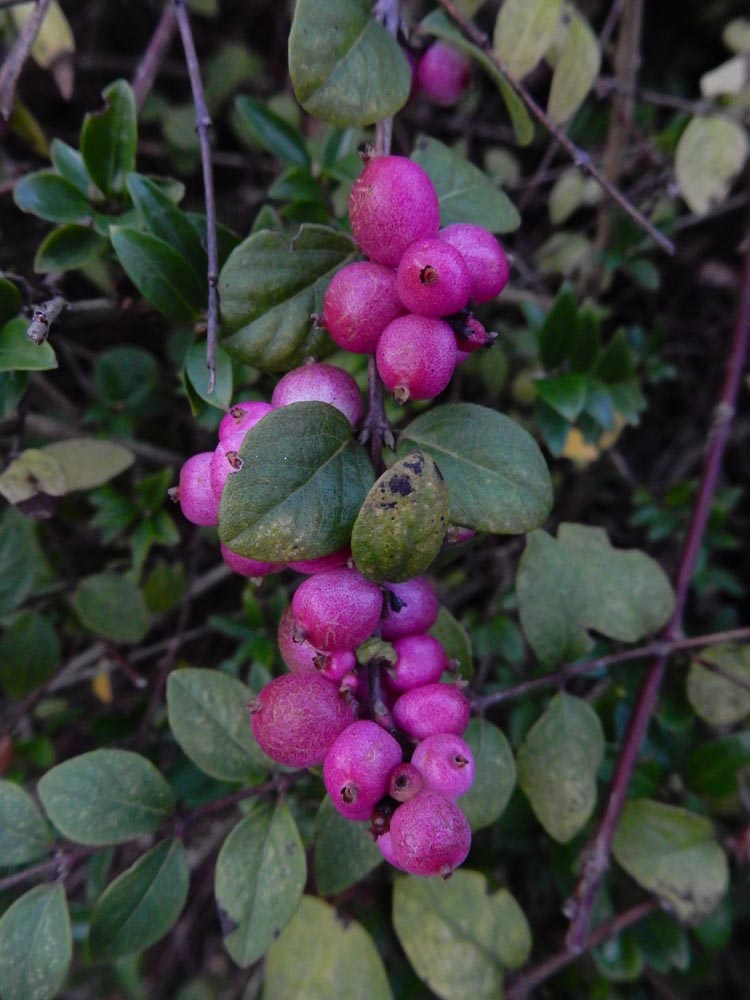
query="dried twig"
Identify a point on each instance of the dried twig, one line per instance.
(44, 316)
(14, 61)
(149, 66)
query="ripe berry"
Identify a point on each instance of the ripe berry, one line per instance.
(471, 336)
(297, 717)
(420, 660)
(432, 278)
(242, 416)
(308, 566)
(392, 203)
(359, 303)
(338, 609)
(248, 567)
(226, 459)
(432, 708)
(411, 608)
(297, 653)
(443, 73)
(357, 767)
(446, 764)
(194, 493)
(337, 665)
(429, 835)
(323, 383)
(404, 782)
(416, 356)
(485, 259)
(386, 848)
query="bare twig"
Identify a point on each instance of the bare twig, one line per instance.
(44, 316)
(579, 156)
(202, 125)
(10, 71)
(150, 64)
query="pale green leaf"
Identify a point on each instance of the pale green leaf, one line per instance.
(524, 30)
(344, 851)
(714, 695)
(710, 154)
(35, 945)
(576, 69)
(24, 834)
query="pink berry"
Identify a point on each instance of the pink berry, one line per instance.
(242, 416)
(357, 767)
(429, 835)
(359, 303)
(487, 264)
(404, 782)
(297, 717)
(411, 608)
(322, 383)
(296, 652)
(393, 203)
(473, 336)
(430, 709)
(443, 73)
(386, 849)
(432, 278)
(308, 566)
(194, 494)
(446, 763)
(226, 459)
(416, 356)
(420, 660)
(337, 665)
(338, 609)
(248, 567)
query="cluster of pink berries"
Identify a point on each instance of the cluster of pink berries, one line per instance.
(388, 734)
(410, 303)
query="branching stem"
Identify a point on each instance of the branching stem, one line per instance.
(10, 70)
(149, 66)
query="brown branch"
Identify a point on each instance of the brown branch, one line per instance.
(202, 125)
(11, 69)
(579, 156)
(149, 66)
(579, 668)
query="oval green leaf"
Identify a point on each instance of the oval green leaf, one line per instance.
(344, 851)
(300, 488)
(89, 462)
(35, 945)
(49, 196)
(524, 30)
(260, 875)
(29, 655)
(142, 904)
(10, 301)
(69, 164)
(495, 776)
(24, 834)
(494, 470)
(345, 67)
(576, 70)
(106, 797)
(112, 606)
(109, 139)
(160, 273)
(166, 221)
(455, 640)
(68, 247)
(31, 473)
(714, 694)
(18, 562)
(196, 373)
(710, 154)
(18, 353)
(274, 133)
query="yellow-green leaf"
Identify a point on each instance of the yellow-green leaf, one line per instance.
(576, 69)
(710, 154)
(524, 30)
(89, 462)
(716, 697)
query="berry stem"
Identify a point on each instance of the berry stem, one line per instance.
(376, 430)
(378, 709)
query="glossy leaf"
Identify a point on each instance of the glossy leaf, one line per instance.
(166, 221)
(17, 353)
(29, 655)
(160, 273)
(105, 797)
(69, 164)
(269, 289)
(455, 640)
(714, 695)
(260, 875)
(142, 903)
(558, 328)
(196, 373)
(275, 134)
(344, 851)
(496, 475)
(302, 483)
(710, 154)
(495, 776)
(89, 462)
(35, 945)
(51, 197)
(565, 394)
(10, 301)
(524, 30)
(109, 139)
(345, 67)
(24, 834)
(111, 606)
(68, 247)
(576, 69)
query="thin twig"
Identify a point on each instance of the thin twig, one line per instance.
(14, 61)
(579, 156)
(598, 852)
(579, 668)
(202, 125)
(149, 66)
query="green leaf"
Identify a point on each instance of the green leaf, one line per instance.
(557, 765)
(69, 164)
(514, 940)
(31, 473)
(524, 30)
(274, 133)
(716, 698)
(464, 192)
(260, 875)
(616, 363)
(35, 945)
(495, 473)
(10, 301)
(495, 776)
(142, 904)
(558, 329)
(300, 488)
(455, 641)
(197, 374)
(674, 854)
(455, 934)
(324, 956)
(89, 462)
(344, 851)
(270, 288)
(715, 771)
(17, 562)
(29, 655)
(207, 713)
(68, 247)
(576, 69)
(402, 523)
(106, 797)
(18, 353)
(109, 139)
(167, 222)
(125, 377)
(49, 196)
(345, 67)
(565, 394)
(160, 273)
(580, 582)
(24, 834)
(111, 606)
(710, 154)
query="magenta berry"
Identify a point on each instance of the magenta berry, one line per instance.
(446, 764)
(416, 356)
(429, 835)
(297, 717)
(430, 709)
(226, 459)
(386, 849)
(473, 336)
(337, 665)
(322, 383)
(242, 416)
(309, 566)
(420, 660)
(411, 608)
(404, 782)
(359, 303)
(338, 609)
(393, 203)
(432, 278)
(296, 652)
(194, 493)
(485, 259)
(248, 567)
(357, 767)
(443, 73)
